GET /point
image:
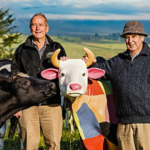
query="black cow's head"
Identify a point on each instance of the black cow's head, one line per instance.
(19, 92)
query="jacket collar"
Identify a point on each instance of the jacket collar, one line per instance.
(28, 42)
(145, 50)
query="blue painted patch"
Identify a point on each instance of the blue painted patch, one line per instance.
(88, 121)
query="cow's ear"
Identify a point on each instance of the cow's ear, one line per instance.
(95, 73)
(50, 73)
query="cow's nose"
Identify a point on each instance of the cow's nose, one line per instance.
(75, 87)
(52, 85)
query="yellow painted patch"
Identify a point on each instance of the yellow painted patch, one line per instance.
(78, 125)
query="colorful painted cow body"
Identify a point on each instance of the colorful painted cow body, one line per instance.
(89, 99)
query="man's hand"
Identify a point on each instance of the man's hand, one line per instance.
(85, 59)
(64, 58)
(18, 114)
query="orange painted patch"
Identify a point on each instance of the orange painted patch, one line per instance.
(112, 146)
(95, 143)
(96, 103)
(93, 88)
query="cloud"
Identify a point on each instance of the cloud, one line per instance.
(73, 2)
(81, 9)
(20, 1)
(83, 3)
(98, 17)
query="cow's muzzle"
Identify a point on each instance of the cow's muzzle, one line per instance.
(52, 87)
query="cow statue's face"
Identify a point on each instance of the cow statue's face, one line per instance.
(73, 75)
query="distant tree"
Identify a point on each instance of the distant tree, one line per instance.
(96, 35)
(8, 37)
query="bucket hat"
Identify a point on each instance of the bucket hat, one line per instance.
(133, 27)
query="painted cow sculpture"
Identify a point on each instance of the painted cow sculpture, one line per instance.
(89, 100)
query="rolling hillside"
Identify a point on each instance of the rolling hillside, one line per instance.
(79, 27)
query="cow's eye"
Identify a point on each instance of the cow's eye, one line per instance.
(62, 74)
(83, 74)
(27, 83)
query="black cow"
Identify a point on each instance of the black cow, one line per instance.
(18, 92)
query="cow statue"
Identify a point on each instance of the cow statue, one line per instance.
(90, 100)
(12, 90)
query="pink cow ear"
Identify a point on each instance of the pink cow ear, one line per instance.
(95, 73)
(50, 73)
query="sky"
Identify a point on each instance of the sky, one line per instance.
(80, 9)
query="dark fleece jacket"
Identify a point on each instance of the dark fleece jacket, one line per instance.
(131, 85)
(27, 60)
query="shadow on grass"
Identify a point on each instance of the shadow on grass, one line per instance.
(12, 144)
(74, 145)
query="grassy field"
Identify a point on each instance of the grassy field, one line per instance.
(105, 48)
(73, 47)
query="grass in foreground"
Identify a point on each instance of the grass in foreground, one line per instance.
(70, 141)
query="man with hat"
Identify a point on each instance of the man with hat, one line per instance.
(129, 73)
